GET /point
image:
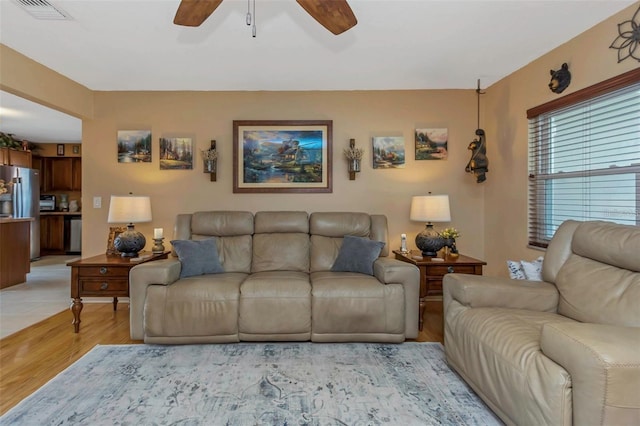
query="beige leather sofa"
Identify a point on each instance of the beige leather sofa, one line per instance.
(559, 352)
(277, 283)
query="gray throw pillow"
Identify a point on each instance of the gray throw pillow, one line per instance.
(198, 257)
(357, 255)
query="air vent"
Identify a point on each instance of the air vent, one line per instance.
(42, 9)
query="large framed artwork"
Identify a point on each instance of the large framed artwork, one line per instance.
(282, 156)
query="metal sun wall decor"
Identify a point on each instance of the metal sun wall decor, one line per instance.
(628, 41)
(478, 163)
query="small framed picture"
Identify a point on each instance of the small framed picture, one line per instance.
(114, 231)
(76, 149)
(60, 149)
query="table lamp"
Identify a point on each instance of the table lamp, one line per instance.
(129, 209)
(430, 208)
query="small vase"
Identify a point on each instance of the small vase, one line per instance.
(209, 166)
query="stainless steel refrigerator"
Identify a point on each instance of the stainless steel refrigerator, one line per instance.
(22, 200)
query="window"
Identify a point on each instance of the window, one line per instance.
(584, 157)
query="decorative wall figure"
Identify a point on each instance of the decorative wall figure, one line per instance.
(479, 163)
(560, 79)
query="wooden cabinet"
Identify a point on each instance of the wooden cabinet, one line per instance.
(14, 157)
(38, 164)
(103, 276)
(14, 251)
(76, 174)
(432, 271)
(52, 234)
(60, 174)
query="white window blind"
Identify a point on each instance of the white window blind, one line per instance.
(584, 159)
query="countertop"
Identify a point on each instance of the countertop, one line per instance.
(15, 219)
(56, 213)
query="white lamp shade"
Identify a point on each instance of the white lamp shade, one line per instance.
(129, 209)
(430, 208)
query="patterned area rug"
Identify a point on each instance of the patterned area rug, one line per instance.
(256, 384)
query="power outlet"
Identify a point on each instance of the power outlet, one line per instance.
(97, 202)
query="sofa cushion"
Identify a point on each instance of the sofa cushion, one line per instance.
(357, 255)
(275, 305)
(178, 310)
(599, 282)
(349, 303)
(197, 257)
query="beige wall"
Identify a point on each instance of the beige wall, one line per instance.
(24, 77)
(590, 61)
(209, 115)
(491, 216)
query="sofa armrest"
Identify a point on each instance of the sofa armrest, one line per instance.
(604, 364)
(477, 291)
(392, 271)
(161, 272)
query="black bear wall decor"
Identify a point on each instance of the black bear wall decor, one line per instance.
(478, 163)
(560, 79)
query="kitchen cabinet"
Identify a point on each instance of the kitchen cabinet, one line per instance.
(38, 164)
(52, 234)
(76, 174)
(61, 174)
(14, 157)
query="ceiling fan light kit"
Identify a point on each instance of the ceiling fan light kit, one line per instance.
(335, 15)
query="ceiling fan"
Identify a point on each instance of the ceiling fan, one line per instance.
(334, 15)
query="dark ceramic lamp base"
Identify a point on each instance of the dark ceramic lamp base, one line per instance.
(429, 241)
(130, 242)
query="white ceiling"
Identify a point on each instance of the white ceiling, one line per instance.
(397, 44)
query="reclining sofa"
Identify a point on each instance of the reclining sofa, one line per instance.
(562, 351)
(277, 281)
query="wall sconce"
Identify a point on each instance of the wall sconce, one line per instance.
(210, 160)
(354, 156)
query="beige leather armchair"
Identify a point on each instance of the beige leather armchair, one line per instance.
(559, 352)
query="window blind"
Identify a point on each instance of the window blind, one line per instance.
(584, 160)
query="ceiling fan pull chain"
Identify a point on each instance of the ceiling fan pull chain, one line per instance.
(254, 29)
(248, 12)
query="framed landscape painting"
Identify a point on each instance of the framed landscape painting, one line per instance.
(176, 154)
(388, 152)
(431, 144)
(134, 146)
(282, 156)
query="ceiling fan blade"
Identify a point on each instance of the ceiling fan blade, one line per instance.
(334, 15)
(192, 13)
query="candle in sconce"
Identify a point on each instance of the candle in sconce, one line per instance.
(158, 233)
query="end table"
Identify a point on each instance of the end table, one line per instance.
(432, 271)
(103, 276)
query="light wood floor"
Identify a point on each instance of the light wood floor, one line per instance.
(33, 356)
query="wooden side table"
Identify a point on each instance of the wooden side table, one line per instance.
(103, 276)
(432, 271)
